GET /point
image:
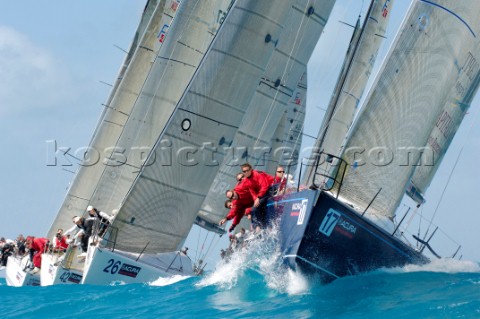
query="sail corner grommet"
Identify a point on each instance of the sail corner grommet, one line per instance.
(268, 38)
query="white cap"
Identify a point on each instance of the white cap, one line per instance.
(89, 208)
(76, 219)
(114, 212)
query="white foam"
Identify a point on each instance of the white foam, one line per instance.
(226, 274)
(445, 265)
(165, 281)
(263, 256)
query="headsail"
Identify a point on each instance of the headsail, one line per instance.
(413, 86)
(129, 81)
(446, 126)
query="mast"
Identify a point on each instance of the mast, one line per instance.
(352, 82)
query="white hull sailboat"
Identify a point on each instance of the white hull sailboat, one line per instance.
(62, 268)
(103, 266)
(17, 273)
(148, 40)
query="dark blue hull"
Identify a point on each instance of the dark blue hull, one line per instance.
(321, 235)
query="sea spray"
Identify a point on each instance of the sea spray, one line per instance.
(165, 281)
(260, 253)
(444, 265)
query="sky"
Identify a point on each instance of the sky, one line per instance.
(57, 59)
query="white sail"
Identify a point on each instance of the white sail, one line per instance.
(189, 36)
(413, 86)
(160, 208)
(130, 79)
(446, 126)
(352, 82)
(287, 139)
(273, 95)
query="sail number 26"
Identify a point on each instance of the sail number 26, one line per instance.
(112, 266)
(329, 222)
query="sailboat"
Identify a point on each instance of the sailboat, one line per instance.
(343, 222)
(160, 206)
(60, 268)
(17, 272)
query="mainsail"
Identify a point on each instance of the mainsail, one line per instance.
(417, 79)
(163, 202)
(274, 93)
(129, 81)
(352, 81)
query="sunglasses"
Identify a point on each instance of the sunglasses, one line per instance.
(280, 171)
(246, 170)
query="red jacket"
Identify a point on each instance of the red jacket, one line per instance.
(258, 183)
(282, 182)
(38, 244)
(244, 195)
(240, 205)
(62, 243)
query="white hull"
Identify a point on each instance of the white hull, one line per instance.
(104, 267)
(16, 276)
(54, 272)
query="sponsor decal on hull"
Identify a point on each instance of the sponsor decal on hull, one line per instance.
(129, 270)
(334, 220)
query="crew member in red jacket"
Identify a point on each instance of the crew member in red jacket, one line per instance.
(60, 241)
(279, 181)
(38, 245)
(241, 203)
(258, 184)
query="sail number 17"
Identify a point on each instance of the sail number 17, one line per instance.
(329, 222)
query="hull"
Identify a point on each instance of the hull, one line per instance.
(16, 276)
(104, 267)
(2, 272)
(55, 272)
(321, 235)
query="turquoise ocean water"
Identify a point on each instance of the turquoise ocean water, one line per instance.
(246, 289)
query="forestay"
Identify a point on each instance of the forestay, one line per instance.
(416, 80)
